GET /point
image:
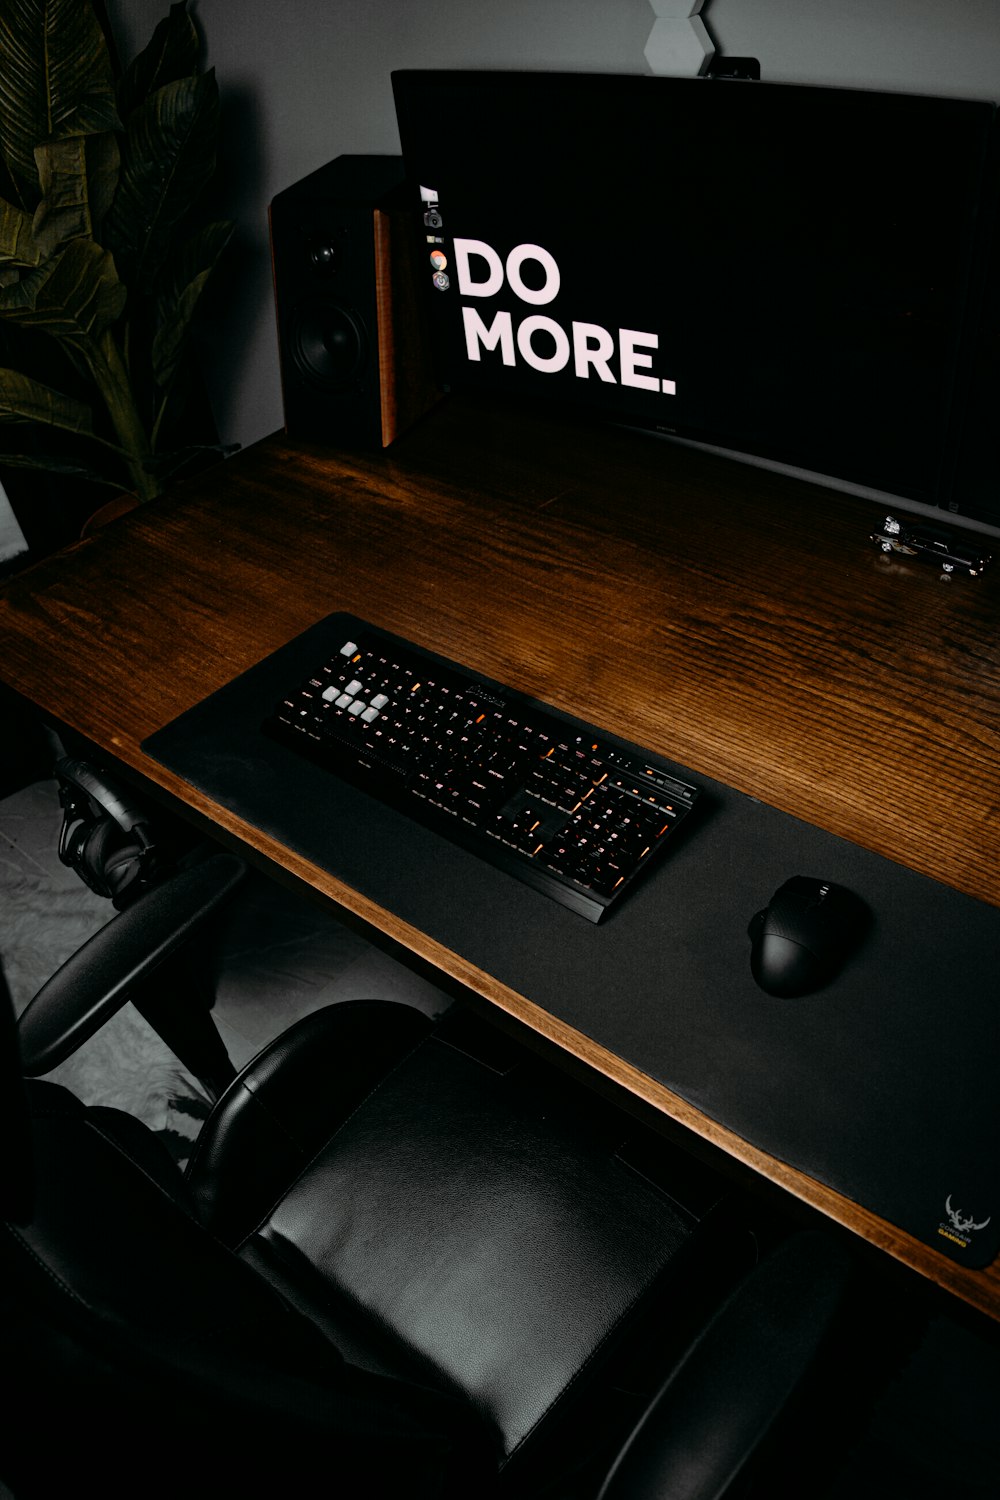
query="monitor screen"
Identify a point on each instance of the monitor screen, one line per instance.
(974, 489)
(776, 269)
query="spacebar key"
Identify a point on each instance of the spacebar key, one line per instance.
(350, 751)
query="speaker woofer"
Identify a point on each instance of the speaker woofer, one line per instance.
(329, 345)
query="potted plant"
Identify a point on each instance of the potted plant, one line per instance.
(101, 267)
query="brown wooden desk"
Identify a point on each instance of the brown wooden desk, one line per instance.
(768, 645)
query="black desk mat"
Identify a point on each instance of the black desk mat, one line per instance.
(884, 1086)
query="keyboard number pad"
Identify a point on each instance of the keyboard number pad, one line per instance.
(585, 821)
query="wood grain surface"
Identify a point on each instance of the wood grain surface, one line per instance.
(736, 621)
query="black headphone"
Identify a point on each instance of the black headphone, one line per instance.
(104, 837)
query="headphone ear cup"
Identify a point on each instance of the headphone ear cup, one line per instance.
(99, 791)
(122, 869)
(107, 842)
(107, 861)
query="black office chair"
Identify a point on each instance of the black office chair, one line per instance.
(406, 1260)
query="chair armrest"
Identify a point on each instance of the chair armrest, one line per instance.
(96, 981)
(710, 1417)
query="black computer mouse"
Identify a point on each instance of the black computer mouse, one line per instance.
(804, 935)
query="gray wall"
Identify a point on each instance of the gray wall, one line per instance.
(306, 80)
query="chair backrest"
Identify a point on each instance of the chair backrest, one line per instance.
(478, 1222)
(488, 1238)
(128, 1328)
(462, 1248)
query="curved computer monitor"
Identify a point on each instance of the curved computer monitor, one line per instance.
(783, 271)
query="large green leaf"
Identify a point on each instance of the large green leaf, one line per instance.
(168, 158)
(57, 463)
(25, 400)
(17, 240)
(55, 80)
(75, 296)
(175, 306)
(78, 177)
(172, 53)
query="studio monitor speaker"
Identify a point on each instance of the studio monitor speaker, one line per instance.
(356, 364)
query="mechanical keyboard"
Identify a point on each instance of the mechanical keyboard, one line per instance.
(546, 798)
